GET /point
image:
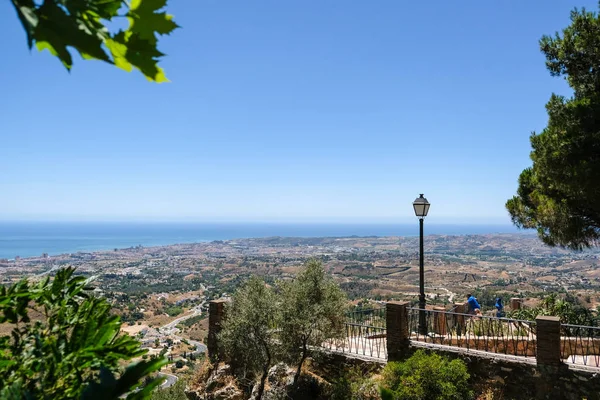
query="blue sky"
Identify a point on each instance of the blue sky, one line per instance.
(285, 111)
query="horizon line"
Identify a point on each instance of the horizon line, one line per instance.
(249, 221)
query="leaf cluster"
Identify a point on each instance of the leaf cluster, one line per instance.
(559, 195)
(74, 350)
(82, 25)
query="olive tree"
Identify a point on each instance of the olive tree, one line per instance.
(248, 337)
(312, 311)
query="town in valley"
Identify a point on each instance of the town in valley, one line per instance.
(162, 293)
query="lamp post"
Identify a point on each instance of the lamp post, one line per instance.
(421, 206)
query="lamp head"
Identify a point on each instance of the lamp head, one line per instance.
(421, 206)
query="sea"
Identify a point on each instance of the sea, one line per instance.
(32, 239)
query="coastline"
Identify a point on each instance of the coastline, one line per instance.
(68, 239)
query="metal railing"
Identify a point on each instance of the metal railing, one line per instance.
(580, 345)
(374, 317)
(490, 334)
(364, 334)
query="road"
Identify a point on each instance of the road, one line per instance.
(170, 381)
(200, 347)
(195, 311)
(169, 329)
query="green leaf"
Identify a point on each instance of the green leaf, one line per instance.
(146, 20)
(118, 51)
(27, 16)
(130, 50)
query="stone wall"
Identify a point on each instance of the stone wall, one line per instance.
(528, 381)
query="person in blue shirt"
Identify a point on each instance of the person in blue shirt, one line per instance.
(474, 307)
(500, 307)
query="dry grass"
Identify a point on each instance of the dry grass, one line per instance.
(201, 375)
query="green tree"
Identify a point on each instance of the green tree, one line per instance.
(426, 376)
(74, 350)
(559, 195)
(83, 25)
(313, 310)
(248, 337)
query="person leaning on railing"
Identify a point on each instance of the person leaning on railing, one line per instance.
(499, 307)
(474, 307)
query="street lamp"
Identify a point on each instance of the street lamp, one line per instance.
(421, 206)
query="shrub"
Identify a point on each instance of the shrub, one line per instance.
(426, 376)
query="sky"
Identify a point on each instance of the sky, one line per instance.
(294, 111)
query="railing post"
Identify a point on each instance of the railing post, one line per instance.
(549, 363)
(439, 320)
(459, 320)
(396, 324)
(216, 314)
(516, 303)
(548, 341)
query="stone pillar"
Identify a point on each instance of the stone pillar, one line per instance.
(551, 370)
(396, 324)
(548, 341)
(516, 303)
(439, 320)
(216, 313)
